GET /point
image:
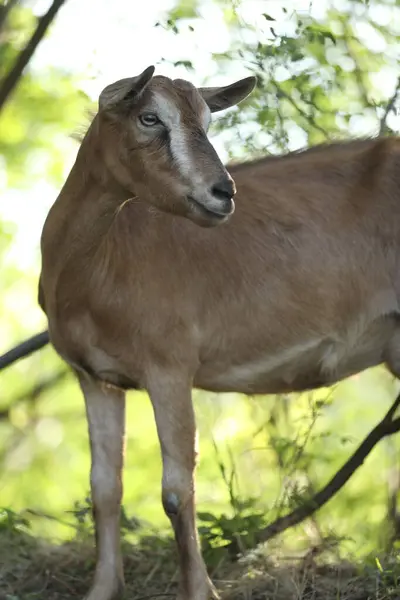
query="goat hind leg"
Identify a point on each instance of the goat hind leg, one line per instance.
(105, 409)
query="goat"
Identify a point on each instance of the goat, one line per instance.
(151, 281)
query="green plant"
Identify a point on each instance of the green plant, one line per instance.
(223, 537)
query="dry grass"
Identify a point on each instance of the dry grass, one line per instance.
(32, 569)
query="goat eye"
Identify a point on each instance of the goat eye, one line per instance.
(149, 119)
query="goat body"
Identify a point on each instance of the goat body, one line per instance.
(299, 288)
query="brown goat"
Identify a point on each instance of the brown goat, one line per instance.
(298, 289)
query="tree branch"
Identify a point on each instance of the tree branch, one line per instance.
(10, 81)
(34, 343)
(389, 107)
(5, 10)
(309, 118)
(386, 427)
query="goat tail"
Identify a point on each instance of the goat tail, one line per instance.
(34, 343)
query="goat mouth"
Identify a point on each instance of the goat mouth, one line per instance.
(207, 212)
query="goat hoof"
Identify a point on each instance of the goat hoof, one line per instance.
(106, 592)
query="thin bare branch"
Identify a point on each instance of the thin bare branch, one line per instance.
(34, 343)
(11, 79)
(389, 107)
(5, 11)
(386, 427)
(309, 118)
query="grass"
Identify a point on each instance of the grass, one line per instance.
(32, 569)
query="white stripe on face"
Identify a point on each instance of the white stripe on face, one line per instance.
(170, 115)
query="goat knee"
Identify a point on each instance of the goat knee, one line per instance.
(175, 499)
(177, 487)
(171, 503)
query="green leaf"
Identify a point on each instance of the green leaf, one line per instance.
(206, 517)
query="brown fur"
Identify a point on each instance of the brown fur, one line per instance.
(298, 289)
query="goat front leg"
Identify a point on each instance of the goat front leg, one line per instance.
(172, 403)
(105, 410)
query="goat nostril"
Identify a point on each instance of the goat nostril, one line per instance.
(224, 189)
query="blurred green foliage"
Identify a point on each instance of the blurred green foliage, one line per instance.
(318, 80)
(45, 108)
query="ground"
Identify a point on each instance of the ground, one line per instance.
(34, 569)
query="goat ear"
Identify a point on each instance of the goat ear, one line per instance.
(219, 98)
(124, 89)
